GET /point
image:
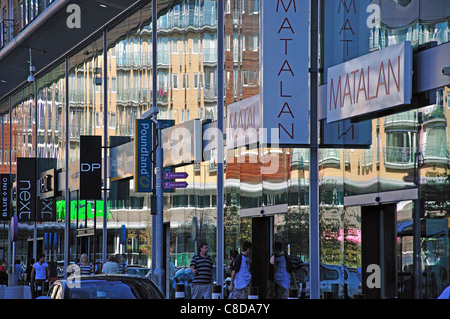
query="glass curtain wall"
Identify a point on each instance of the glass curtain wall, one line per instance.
(129, 96)
(390, 161)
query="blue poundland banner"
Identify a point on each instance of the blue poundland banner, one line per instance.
(143, 161)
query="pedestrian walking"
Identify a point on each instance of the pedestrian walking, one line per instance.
(39, 274)
(231, 256)
(201, 267)
(282, 271)
(240, 273)
(86, 268)
(111, 266)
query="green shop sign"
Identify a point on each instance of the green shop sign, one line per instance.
(81, 209)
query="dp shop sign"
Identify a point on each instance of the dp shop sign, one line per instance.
(90, 167)
(376, 81)
(285, 36)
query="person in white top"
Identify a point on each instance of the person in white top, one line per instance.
(111, 266)
(40, 273)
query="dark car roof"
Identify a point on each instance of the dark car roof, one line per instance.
(113, 277)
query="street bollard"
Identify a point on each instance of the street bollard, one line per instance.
(216, 292)
(179, 291)
(253, 292)
(293, 294)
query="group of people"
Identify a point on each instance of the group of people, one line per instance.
(281, 273)
(116, 264)
(41, 274)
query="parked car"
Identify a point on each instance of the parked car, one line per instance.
(104, 287)
(331, 275)
(138, 270)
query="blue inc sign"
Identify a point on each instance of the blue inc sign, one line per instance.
(143, 162)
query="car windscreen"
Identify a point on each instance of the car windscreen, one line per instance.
(100, 290)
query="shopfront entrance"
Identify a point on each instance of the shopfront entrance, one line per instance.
(379, 251)
(262, 238)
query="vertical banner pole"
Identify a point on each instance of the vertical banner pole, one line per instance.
(314, 245)
(220, 157)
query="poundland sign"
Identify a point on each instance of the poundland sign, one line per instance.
(143, 165)
(377, 81)
(284, 56)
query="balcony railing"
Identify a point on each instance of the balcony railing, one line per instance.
(399, 156)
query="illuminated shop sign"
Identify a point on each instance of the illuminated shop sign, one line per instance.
(284, 58)
(143, 166)
(81, 209)
(377, 81)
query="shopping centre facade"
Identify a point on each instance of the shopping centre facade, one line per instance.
(378, 170)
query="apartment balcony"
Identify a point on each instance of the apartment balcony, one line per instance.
(398, 157)
(7, 32)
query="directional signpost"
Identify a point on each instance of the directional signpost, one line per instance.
(172, 176)
(175, 184)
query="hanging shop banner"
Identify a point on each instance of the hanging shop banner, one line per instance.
(371, 83)
(26, 189)
(46, 210)
(47, 191)
(347, 25)
(90, 167)
(5, 180)
(285, 73)
(182, 143)
(243, 122)
(143, 174)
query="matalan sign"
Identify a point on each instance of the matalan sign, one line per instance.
(374, 82)
(284, 56)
